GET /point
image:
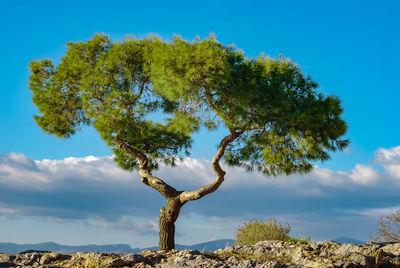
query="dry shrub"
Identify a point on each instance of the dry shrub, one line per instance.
(389, 228)
(255, 231)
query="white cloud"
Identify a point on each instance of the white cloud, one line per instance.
(95, 190)
(390, 160)
(388, 156)
(17, 170)
(126, 223)
(7, 211)
(377, 212)
(100, 169)
(19, 160)
(212, 237)
(312, 192)
(188, 174)
(327, 177)
(347, 150)
(364, 175)
(20, 171)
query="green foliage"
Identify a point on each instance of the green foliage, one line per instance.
(299, 239)
(302, 124)
(117, 87)
(255, 231)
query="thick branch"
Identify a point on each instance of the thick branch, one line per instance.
(199, 193)
(156, 183)
(143, 160)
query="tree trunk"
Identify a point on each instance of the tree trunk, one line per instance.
(176, 199)
(168, 216)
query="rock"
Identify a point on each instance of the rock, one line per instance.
(346, 249)
(28, 259)
(271, 264)
(53, 257)
(392, 249)
(344, 264)
(7, 258)
(34, 251)
(45, 259)
(260, 251)
(134, 258)
(266, 254)
(147, 252)
(118, 262)
(364, 261)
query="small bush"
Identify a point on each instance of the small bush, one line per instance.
(255, 231)
(299, 239)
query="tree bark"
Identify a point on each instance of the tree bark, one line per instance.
(176, 199)
(168, 217)
(186, 196)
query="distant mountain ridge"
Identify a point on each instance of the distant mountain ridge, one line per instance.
(206, 246)
(348, 240)
(12, 248)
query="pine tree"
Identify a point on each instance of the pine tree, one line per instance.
(276, 121)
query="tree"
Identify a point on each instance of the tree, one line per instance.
(276, 122)
(389, 228)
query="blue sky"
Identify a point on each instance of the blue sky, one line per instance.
(349, 47)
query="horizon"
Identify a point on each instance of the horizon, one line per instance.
(132, 247)
(72, 192)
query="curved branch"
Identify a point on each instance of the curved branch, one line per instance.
(199, 193)
(143, 160)
(152, 181)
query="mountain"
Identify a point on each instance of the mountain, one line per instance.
(347, 240)
(11, 248)
(211, 245)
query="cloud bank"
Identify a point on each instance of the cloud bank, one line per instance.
(96, 191)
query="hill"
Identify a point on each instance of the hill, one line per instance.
(348, 240)
(11, 248)
(206, 246)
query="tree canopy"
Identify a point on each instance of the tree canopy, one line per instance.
(278, 122)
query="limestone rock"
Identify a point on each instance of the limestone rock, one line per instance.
(53, 257)
(392, 249)
(265, 254)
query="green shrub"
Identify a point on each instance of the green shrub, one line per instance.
(299, 239)
(255, 231)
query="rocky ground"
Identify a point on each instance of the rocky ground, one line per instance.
(263, 254)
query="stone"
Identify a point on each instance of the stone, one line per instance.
(271, 264)
(133, 258)
(28, 259)
(118, 262)
(7, 258)
(346, 249)
(265, 254)
(392, 249)
(53, 257)
(45, 259)
(364, 261)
